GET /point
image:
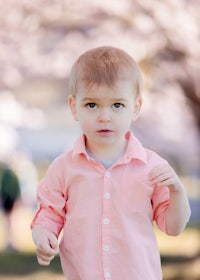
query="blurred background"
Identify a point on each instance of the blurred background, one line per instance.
(39, 41)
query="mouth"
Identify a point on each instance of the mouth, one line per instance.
(104, 131)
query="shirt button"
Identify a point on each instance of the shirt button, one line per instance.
(107, 196)
(106, 248)
(107, 275)
(105, 221)
(107, 174)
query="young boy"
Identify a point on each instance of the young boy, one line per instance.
(106, 192)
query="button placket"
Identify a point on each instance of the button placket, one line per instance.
(106, 223)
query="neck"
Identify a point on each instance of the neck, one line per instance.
(107, 152)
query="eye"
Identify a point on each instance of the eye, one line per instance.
(117, 105)
(91, 105)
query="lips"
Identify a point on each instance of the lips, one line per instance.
(104, 132)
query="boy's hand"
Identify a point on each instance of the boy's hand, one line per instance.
(46, 245)
(164, 175)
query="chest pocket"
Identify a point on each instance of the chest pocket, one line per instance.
(136, 193)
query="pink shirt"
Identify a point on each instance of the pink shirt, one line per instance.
(106, 215)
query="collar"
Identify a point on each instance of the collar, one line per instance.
(79, 146)
(134, 149)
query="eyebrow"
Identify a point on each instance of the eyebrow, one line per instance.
(96, 99)
(86, 99)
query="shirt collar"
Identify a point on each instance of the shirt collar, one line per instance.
(79, 146)
(134, 149)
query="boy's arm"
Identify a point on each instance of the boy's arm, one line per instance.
(178, 212)
(49, 218)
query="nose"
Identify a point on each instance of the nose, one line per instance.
(104, 115)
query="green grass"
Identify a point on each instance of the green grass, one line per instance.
(24, 266)
(25, 263)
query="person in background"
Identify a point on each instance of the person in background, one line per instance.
(106, 192)
(9, 195)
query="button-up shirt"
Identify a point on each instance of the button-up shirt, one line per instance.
(106, 214)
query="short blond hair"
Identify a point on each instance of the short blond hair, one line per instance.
(104, 66)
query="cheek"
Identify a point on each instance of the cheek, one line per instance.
(125, 119)
(85, 122)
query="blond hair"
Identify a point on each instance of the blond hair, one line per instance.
(104, 66)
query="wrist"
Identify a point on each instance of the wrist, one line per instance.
(38, 232)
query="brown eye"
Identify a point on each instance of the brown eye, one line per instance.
(117, 105)
(91, 105)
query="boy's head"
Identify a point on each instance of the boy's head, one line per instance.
(104, 66)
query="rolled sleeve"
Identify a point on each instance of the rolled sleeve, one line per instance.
(52, 201)
(160, 202)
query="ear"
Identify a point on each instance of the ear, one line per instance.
(72, 105)
(137, 108)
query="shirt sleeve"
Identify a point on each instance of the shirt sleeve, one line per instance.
(160, 203)
(52, 201)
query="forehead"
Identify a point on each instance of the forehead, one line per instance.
(121, 89)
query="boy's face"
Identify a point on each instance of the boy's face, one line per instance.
(105, 114)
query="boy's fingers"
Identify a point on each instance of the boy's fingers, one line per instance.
(48, 245)
(53, 242)
(159, 170)
(162, 177)
(43, 262)
(44, 259)
(46, 253)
